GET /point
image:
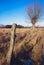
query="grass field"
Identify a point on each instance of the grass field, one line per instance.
(23, 35)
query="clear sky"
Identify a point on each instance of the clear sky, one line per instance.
(14, 11)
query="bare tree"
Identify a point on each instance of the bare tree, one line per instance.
(34, 13)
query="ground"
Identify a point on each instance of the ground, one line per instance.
(34, 49)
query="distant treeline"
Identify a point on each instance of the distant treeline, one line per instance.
(9, 26)
(17, 26)
(20, 26)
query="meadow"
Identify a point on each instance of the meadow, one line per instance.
(34, 49)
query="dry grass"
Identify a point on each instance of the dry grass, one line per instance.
(23, 35)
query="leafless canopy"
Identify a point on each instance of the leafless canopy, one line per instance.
(34, 12)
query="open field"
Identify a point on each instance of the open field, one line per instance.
(23, 35)
(19, 29)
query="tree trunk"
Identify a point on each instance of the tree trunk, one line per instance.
(33, 26)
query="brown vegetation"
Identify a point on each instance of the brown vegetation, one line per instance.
(32, 44)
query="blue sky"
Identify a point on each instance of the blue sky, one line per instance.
(14, 11)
